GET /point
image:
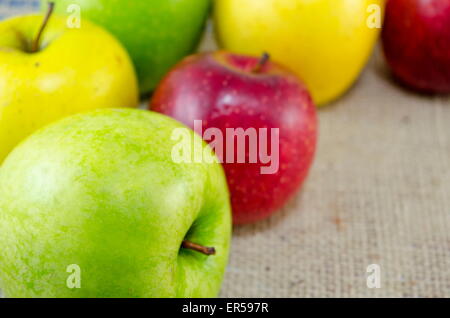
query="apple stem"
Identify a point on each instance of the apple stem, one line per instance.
(37, 40)
(199, 248)
(262, 62)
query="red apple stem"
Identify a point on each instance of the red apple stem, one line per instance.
(199, 248)
(37, 40)
(262, 62)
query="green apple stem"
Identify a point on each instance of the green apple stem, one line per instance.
(37, 40)
(262, 62)
(199, 248)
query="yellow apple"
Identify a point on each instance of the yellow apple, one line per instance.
(326, 42)
(72, 71)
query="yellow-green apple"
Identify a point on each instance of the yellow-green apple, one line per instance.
(96, 205)
(416, 41)
(61, 72)
(156, 33)
(326, 42)
(257, 116)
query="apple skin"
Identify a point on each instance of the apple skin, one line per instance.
(101, 190)
(219, 89)
(416, 42)
(156, 33)
(326, 43)
(76, 70)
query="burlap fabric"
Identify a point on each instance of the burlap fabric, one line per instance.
(379, 193)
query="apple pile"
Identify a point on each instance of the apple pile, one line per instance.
(325, 42)
(58, 73)
(157, 34)
(99, 199)
(94, 205)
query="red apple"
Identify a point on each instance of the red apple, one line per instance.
(227, 92)
(416, 40)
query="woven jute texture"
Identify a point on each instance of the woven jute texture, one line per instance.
(378, 193)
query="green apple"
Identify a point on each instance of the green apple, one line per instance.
(100, 196)
(69, 71)
(157, 33)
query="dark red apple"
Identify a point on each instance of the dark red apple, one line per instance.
(416, 40)
(227, 92)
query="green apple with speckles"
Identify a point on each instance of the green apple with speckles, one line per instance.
(96, 206)
(157, 33)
